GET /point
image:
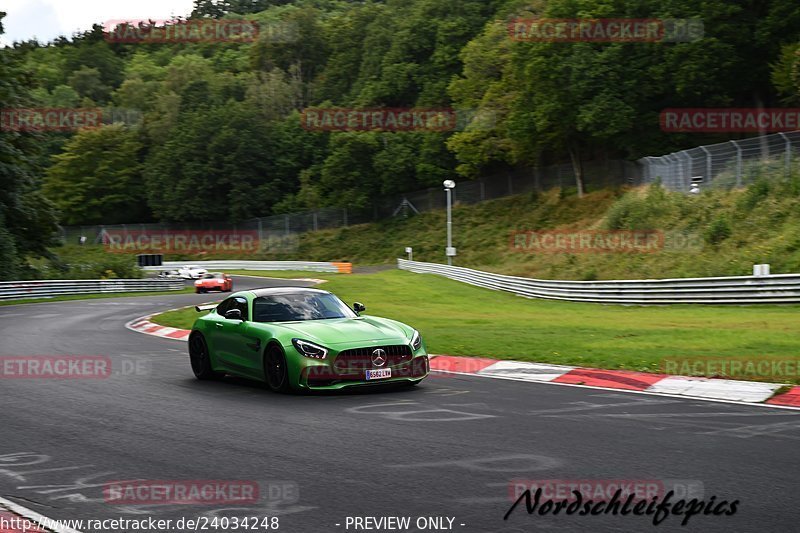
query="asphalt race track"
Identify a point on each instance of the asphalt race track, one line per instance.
(448, 448)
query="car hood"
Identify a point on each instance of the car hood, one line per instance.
(368, 330)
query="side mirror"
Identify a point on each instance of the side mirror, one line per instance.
(233, 314)
(359, 307)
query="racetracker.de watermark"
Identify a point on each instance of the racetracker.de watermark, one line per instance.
(730, 120)
(610, 30)
(183, 492)
(777, 369)
(604, 489)
(60, 119)
(187, 241)
(49, 119)
(395, 119)
(55, 367)
(603, 241)
(155, 31)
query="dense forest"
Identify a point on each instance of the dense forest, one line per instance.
(212, 130)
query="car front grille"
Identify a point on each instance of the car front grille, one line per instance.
(361, 358)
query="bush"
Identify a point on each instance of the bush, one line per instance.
(9, 262)
(629, 212)
(718, 231)
(755, 193)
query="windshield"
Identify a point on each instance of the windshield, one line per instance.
(299, 306)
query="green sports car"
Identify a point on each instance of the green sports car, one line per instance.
(303, 339)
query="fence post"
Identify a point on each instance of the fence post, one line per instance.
(708, 163)
(645, 166)
(687, 177)
(788, 166)
(738, 164)
(345, 217)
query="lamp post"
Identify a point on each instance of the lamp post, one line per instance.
(450, 252)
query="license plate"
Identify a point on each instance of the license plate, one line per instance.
(383, 373)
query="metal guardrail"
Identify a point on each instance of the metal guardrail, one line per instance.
(15, 290)
(310, 266)
(737, 290)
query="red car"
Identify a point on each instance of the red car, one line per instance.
(213, 281)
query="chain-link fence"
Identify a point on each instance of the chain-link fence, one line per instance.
(278, 233)
(729, 164)
(596, 175)
(725, 165)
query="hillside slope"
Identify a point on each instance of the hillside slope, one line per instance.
(713, 234)
(716, 233)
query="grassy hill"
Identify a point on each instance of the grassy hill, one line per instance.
(714, 233)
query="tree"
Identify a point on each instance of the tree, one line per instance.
(27, 219)
(86, 82)
(97, 178)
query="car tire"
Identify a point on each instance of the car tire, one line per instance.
(199, 291)
(200, 359)
(276, 373)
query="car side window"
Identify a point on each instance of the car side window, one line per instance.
(240, 304)
(225, 306)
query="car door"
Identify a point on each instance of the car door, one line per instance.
(214, 335)
(239, 349)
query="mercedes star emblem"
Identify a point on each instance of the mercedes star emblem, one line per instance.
(378, 357)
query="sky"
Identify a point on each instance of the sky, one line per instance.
(47, 19)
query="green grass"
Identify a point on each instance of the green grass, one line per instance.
(186, 290)
(285, 274)
(458, 319)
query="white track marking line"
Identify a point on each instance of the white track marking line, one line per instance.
(768, 405)
(35, 517)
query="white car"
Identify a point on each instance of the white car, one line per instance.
(169, 274)
(192, 272)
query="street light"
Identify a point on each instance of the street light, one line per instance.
(450, 252)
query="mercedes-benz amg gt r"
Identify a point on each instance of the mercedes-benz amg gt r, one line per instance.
(303, 339)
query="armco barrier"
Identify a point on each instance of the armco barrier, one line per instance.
(738, 290)
(15, 290)
(310, 266)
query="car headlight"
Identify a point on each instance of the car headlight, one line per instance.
(416, 340)
(309, 349)
(198, 282)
